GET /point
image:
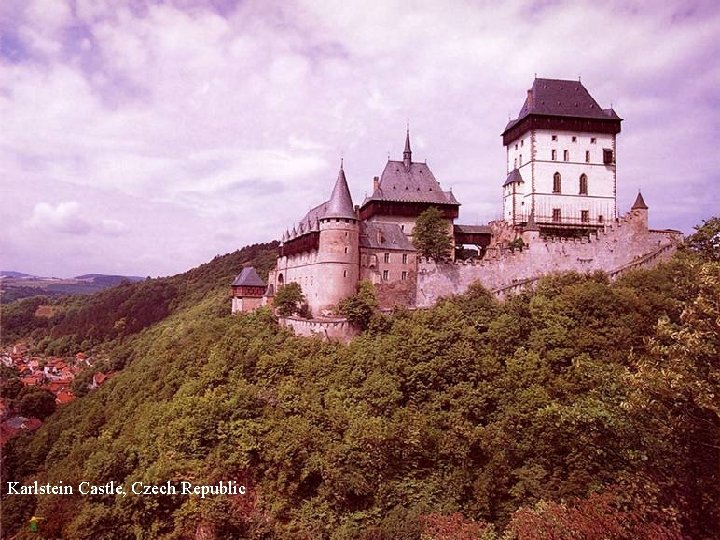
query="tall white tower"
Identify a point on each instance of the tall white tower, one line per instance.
(561, 164)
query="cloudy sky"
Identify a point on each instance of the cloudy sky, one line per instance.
(145, 137)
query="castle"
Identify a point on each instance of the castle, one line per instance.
(559, 198)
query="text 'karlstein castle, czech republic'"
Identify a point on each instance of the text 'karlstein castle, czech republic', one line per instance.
(559, 197)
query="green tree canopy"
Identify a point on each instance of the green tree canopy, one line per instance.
(288, 299)
(360, 307)
(431, 236)
(706, 239)
(37, 403)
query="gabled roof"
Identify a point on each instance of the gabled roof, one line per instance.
(556, 97)
(410, 184)
(378, 235)
(514, 176)
(472, 229)
(248, 278)
(639, 203)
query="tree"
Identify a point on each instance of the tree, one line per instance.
(360, 307)
(288, 299)
(430, 235)
(706, 239)
(37, 403)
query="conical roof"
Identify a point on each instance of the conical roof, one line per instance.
(340, 204)
(639, 203)
(531, 225)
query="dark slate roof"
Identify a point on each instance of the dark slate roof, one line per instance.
(412, 184)
(248, 278)
(378, 235)
(514, 176)
(472, 229)
(555, 97)
(340, 204)
(639, 203)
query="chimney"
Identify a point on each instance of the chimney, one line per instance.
(376, 183)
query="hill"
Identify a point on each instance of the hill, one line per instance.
(582, 408)
(110, 316)
(16, 285)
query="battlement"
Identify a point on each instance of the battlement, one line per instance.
(624, 244)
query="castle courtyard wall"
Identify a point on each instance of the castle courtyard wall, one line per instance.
(626, 242)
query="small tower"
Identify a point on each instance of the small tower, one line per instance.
(247, 291)
(407, 153)
(338, 250)
(531, 231)
(640, 210)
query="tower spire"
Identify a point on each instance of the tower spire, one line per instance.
(340, 204)
(407, 153)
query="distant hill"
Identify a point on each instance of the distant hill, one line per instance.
(16, 285)
(108, 279)
(13, 274)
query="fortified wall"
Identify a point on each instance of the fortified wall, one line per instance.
(625, 244)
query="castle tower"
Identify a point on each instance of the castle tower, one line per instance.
(561, 160)
(338, 250)
(640, 209)
(247, 291)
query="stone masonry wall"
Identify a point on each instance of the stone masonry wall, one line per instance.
(339, 329)
(624, 244)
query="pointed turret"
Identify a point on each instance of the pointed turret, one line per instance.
(340, 204)
(639, 203)
(407, 153)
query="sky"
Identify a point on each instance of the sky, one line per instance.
(144, 137)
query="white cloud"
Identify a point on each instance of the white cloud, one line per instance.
(237, 122)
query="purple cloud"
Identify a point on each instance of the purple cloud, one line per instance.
(215, 124)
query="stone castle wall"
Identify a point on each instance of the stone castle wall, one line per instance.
(625, 244)
(331, 329)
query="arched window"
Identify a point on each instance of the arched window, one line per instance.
(583, 184)
(557, 183)
(281, 280)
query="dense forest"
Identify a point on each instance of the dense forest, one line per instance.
(585, 409)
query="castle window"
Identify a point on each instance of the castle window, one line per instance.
(554, 137)
(574, 139)
(402, 228)
(556, 215)
(587, 156)
(600, 218)
(346, 250)
(521, 160)
(516, 146)
(566, 155)
(583, 184)
(553, 154)
(522, 141)
(557, 183)
(608, 156)
(584, 216)
(403, 276)
(593, 140)
(386, 275)
(344, 273)
(404, 258)
(387, 258)
(515, 163)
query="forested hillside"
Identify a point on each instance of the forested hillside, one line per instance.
(586, 409)
(81, 322)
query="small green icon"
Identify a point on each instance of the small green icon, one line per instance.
(34, 527)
